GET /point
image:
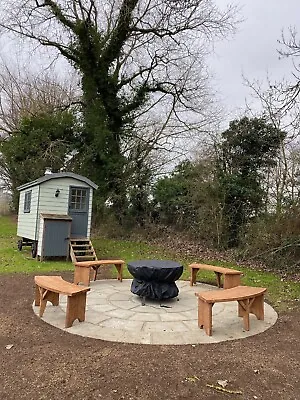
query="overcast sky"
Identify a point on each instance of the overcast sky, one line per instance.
(251, 52)
(253, 49)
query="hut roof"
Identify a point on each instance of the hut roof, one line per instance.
(57, 175)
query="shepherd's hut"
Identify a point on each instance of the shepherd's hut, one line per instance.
(54, 212)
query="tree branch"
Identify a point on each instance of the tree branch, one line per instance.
(120, 33)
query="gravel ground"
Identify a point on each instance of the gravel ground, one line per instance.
(47, 363)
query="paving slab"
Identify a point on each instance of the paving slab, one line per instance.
(113, 313)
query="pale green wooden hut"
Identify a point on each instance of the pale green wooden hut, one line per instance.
(53, 210)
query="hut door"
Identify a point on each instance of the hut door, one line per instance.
(55, 241)
(78, 210)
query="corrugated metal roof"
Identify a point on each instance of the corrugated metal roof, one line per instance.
(57, 175)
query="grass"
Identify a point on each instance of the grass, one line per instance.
(14, 261)
(283, 295)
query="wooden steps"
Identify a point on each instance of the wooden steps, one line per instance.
(81, 249)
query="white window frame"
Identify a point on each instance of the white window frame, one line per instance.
(27, 201)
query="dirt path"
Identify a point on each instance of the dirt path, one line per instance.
(46, 363)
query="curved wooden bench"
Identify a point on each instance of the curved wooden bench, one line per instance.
(48, 288)
(250, 300)
(231, 277)
(82, 269)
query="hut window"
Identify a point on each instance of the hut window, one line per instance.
(78, 199)
(27, 201)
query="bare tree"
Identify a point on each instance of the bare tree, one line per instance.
(134, 57)
(291, 48)
(282, 180)
(37, 127)
(27, 94)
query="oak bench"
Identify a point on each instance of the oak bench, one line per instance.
(48, 288)
(250, 301)
(82, 269)
(231, 277)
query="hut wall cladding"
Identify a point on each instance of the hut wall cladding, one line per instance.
(60, 205)
(43, 200)
(27, 221)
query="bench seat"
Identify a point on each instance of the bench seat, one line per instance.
(250, 301)
(82, 269)
(231, 277)
(48, 288)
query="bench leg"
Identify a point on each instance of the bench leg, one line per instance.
(37, 298)
(254, 306)
(120, 271)
(205, 316)
(75, 309)
(82, 275)
(231, 281)
(257, 307)
(119, 268)
(193, 276)
(218, 276)
(46, 295)
(244, 311)
(95, 271)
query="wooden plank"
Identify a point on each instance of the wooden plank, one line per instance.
(82, 269)
(48, 288)
(94, 263)
(250, 301)
(235, 293)
(231, 277)
(214, 268)
(58, 285)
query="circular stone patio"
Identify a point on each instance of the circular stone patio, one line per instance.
(113, 313)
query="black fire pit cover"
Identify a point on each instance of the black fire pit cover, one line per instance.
(155, 279)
